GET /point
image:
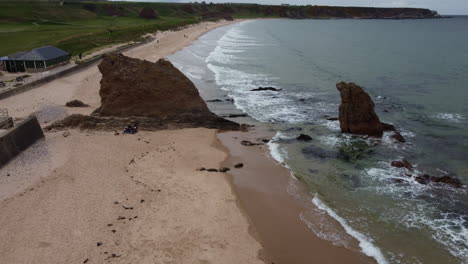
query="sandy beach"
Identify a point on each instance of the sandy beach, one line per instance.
(140, 196)
(96, 197)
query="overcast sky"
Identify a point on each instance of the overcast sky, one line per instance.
(444, 7)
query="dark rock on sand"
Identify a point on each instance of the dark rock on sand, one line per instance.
(304, 137)
(76, 103)
(154, 95)
(214, 101)
(235, 115)
(249, 143)
(239, 165)
(357, 114)
(266, 89)
(402, 164)
(212, 170)
(224, 169)
(332, 118)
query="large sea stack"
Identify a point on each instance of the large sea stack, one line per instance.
(357, 114)
(133, 87)
(154, 95)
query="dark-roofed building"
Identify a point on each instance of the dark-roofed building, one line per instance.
(36, 60)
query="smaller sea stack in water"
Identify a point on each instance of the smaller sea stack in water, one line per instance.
(357, 114)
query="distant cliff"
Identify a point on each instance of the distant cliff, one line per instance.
(358, 12)
(303, 12)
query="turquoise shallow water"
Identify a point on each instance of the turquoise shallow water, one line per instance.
(416, 71)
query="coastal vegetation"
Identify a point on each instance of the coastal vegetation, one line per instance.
(81, 26)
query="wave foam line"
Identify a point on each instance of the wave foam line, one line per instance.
(364, 242)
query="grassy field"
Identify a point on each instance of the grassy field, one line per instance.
(24, 26)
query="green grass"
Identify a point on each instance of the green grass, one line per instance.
(24, 26)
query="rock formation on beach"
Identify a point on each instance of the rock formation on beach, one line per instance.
(357, 114)
(155, 95)
(76, 103)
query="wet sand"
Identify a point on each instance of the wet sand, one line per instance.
(262, 187)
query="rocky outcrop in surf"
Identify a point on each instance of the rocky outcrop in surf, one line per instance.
(357, 115)
(426, 178)
(154, 95)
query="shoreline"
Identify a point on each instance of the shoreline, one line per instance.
(262, 187)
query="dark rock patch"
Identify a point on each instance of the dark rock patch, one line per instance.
(76, 103)
(304, 137)
(235, 115)
(398, 137)
(388, 127)
(239, 165)
(402, 164)
(273, 89)
(447, 180)
(249, 143)
(422, 179)
(224, 169)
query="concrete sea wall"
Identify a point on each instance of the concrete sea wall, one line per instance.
(17, 139)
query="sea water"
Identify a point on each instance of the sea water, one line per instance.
(416, 72)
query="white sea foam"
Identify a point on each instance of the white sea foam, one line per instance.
(276, 152)
(332, 125)
(365, 243)
(447, 229)
(318, 222)
(451, 117)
